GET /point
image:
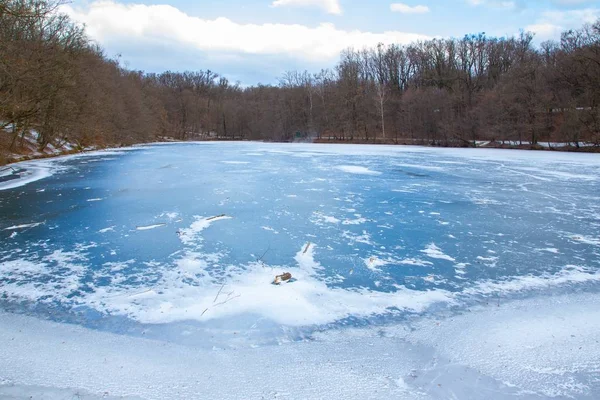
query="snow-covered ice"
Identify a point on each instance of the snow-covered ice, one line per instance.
(356, 169)
(33, 171)
(23, 226)
(433, 251)
(417, 273)
(149, 227)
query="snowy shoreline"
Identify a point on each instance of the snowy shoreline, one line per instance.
(23, 172)
(542, 146)
(523, 348)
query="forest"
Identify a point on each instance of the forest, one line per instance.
(55, 81)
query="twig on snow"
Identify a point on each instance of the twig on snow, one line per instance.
(306, 248)
(228, 300)
(217, 296)
(215, 217)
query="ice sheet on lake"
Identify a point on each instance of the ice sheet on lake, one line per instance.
(380, 256)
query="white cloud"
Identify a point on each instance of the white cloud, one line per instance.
(500, 4)
(406, 9)
(331, 6)
(571, 2)
(111, 22)
(545, 31)
(552, 23)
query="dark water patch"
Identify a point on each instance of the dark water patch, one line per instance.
(414, 174)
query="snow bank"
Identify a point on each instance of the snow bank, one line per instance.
(10, 391)
(530, 349)
(549, 346)
(43, 353)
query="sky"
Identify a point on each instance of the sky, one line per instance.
(256, 41)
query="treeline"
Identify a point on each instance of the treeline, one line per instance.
(55, 81)
(451, 92)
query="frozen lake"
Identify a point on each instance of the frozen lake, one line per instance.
(418, 273)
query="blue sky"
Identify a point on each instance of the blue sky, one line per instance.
(255, 41)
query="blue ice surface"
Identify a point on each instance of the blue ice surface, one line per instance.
(478, 225)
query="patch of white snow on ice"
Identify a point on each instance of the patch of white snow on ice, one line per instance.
(149, 227)
(189, 235)
(358, 170)
(432, 251)
(24, 226)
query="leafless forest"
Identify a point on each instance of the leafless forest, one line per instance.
(445, 92)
